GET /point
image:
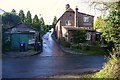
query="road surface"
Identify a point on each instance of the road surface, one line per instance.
(52, 61)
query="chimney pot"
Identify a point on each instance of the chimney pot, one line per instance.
(67, 6)
(76, 8)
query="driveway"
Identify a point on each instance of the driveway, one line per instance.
(52, 61)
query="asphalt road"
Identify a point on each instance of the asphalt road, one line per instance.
(52, 61)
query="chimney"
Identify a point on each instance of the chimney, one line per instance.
(67, 6)
(76, 17)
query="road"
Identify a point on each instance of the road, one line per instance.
(52, 61)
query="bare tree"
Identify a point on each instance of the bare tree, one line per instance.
(103, 5)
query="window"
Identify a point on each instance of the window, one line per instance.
(86, 19)
(88, 36)
(67, 22)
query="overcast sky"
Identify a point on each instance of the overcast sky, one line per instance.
(46, 8)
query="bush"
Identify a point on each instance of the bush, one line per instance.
(63, 42)
(78, 36)
(6, 47)
(74, 46)
(83, 46)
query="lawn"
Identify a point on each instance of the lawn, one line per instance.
(94, 52)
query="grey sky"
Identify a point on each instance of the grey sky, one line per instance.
(46, 8)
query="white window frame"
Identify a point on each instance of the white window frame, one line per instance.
(68, 22)
(88, 36)
(86, 19)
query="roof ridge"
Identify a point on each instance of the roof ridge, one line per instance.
(69, 9)
(85, 13)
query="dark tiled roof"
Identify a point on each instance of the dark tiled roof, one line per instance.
(71, 10)
(21, 28)
(85, 14)
(68, 10)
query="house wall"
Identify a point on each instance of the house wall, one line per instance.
(58, 30)
(65, 33)
(93, 35)
(17, 38)
(81, 22)
(69, 36)
(69, 15)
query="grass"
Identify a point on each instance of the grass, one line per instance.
(110, 70)
(82, 76)
(95, 52)
(87, 75)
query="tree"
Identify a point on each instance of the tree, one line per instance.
(99, 23)
(21, 15)
(112, 30)
(42, 23)
(10, 20)
(54, 20)
(28, 19)
(102, 6)
(79, 36)
(111, 33)
(36, 23)
(13, 11)
(49, 27)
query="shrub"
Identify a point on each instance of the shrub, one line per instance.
(111, 69)
(83, 46)
(63, 42)
(74, 46)
(79, 36)
(6, 47)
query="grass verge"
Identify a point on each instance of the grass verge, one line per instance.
(94, 52)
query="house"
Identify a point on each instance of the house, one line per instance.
(20, 34)
(73, 20)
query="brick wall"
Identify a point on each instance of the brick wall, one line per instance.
(69, 15)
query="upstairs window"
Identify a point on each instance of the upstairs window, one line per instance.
(85, 19)
(68, 22)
